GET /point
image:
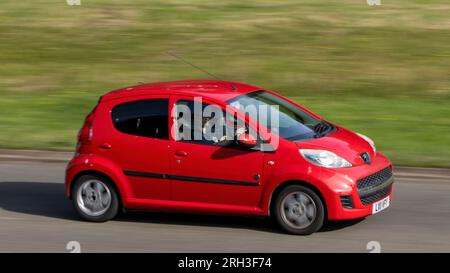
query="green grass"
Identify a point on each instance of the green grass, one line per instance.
(383, 71)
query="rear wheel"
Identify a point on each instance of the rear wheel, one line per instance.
(299, 210)
(95, 199)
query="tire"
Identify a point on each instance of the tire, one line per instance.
(95, 198)
(299, 210)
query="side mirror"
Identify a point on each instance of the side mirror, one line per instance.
(247, 140)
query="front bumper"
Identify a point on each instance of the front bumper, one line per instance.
(343, 185)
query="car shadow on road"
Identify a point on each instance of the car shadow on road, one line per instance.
(48, 200)
(338, 225)
(36, 198)
(204, 220)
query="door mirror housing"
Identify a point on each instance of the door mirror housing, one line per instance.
(247, 140)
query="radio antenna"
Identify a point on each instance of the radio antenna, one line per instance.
(198, 68)
(193, 65)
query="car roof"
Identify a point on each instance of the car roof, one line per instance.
(219, 90)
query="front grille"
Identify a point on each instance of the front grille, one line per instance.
(347, 201)
(375, 186)
(375, 179)
(377, 196)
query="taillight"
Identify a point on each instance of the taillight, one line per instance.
(86, 132)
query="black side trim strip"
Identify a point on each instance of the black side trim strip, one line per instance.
(190, 178)
(143, 174)
(211, 180)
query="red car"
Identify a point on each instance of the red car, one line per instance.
(301, 172)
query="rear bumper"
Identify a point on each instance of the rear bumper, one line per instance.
(344, 183)
(70, 173)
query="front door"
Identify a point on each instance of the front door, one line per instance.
(203, 171)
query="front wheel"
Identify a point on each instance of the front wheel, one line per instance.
(299, 210)
(95, 199)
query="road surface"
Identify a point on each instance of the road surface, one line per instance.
(36, 217)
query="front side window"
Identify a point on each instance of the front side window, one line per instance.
(204, 125)
(293, 123)
(147, 118)
(208, 125)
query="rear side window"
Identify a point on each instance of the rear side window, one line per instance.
(148, 118)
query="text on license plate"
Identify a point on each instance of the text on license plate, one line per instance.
(380, 205)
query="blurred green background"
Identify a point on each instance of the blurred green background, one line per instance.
(383, 71)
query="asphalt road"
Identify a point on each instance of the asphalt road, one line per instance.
(36, 217)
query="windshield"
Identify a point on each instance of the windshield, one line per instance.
(294, 124)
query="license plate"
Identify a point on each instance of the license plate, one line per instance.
(380, 205)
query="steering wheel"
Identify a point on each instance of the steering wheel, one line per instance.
(217, 138)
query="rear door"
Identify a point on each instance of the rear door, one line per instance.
(139, 144)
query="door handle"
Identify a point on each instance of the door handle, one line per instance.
(181, 153)
(105, 146)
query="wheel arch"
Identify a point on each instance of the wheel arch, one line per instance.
(99, 174)
(287, 183)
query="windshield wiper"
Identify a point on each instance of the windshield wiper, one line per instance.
(322, 128)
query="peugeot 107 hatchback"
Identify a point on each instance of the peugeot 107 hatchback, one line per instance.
(221, 147)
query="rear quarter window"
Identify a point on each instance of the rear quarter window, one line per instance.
(147, 118)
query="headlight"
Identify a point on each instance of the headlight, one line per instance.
(324, 158)
(369, 140)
